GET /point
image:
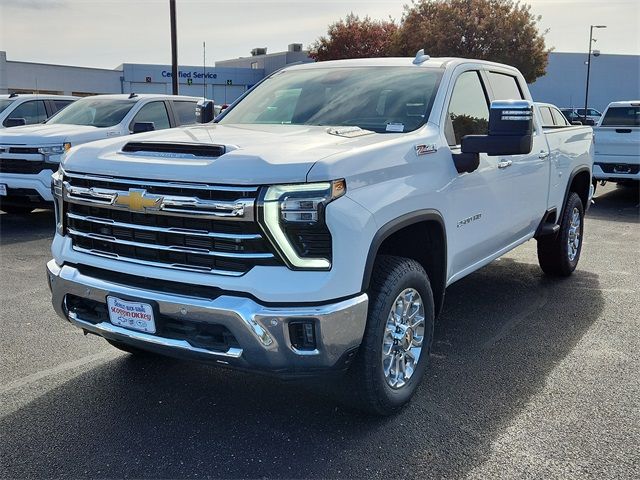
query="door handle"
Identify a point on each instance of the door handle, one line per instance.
(543, 154)
(504, 163)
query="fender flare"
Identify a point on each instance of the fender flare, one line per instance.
(574, 173)
(396, 225)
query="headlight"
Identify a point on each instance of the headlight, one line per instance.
(293, 218)
(54, 150)
(57, 180)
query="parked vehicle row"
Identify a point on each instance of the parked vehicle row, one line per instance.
(578, 115)
(314, 226)
(30, 154)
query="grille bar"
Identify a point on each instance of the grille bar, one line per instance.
(170, 248)
(180, 231)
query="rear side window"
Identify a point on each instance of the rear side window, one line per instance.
(547, 119)
(622, 117)
(32, 111)
(505, 87)
(60, 104)
(468, 109)
(155, 112)
(185, 112)
(558, 118)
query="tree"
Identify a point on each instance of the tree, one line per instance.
(354, 38)
(502, 31)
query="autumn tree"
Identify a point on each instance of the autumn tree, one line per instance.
(503, 31)
(354, 38)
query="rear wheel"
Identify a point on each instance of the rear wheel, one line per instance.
(558, 255)
(395, 349)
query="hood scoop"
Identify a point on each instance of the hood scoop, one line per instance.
(174, 150)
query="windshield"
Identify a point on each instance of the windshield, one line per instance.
(622, 117)
(4, 104)
(94, 112)
(381, 99)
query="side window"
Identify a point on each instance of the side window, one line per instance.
(558, 118)
(186, 112)
(547, 119)
(155, 112)
(32, 111)
(505, 87)
(468, 112)
(60, 104)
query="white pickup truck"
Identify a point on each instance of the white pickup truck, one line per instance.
(617, 144)
(29, 109)
(30, 154)
(315, 225)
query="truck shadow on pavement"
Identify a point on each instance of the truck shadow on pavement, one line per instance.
(503, 331)
(618, 203)
(24, 228)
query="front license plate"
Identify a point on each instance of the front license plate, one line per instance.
(132, 315)
(3, 190)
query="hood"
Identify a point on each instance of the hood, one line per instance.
(46, 134)
(255, 154)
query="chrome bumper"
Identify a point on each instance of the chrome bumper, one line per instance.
(262, 332)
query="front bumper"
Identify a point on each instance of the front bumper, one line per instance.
(26, 188)
(262, 332)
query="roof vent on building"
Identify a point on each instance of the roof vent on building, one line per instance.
(295, 47)
(258, 51)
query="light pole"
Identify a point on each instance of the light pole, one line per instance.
(586, 93)
(174, 47)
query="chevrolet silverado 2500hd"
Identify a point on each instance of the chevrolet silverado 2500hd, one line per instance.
(315, 225)
(30, 154)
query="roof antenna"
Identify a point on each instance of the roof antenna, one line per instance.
(420, 57)
(133, 95)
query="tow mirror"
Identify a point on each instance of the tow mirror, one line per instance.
(140, 127)
(205, 111)
(510, 133)
(15, 122)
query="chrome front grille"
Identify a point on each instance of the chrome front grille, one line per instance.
(193, 227)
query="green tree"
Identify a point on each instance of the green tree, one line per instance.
(354, 38)
(503, 31)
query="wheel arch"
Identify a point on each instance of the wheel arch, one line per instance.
(580, 183)
(402, 237)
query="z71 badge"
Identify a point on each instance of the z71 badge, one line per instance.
(425, 149)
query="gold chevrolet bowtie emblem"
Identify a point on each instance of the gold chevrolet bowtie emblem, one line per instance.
(138, 200)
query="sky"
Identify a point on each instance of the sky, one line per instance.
(108, 33)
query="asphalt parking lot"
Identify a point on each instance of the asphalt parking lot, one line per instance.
(530, 378)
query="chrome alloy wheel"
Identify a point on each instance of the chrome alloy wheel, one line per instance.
(403, 338)
(573, 241)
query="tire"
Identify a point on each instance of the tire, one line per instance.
(392, 277)
(138, 352)
(555, 255)
(16, 209)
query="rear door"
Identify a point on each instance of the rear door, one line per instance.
(527, 175)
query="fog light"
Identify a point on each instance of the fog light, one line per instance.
(302, 335)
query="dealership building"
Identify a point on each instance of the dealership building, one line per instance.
(613, 77)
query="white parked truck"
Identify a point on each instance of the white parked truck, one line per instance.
(617, 143)
(30, 154)
(28, 109)
(315, 225)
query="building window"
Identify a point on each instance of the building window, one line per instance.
(254, 65)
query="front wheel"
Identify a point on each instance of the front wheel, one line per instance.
(395, 349)
(559, 255)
